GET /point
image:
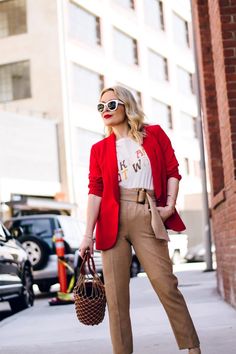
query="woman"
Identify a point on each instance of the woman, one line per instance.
(133, 186)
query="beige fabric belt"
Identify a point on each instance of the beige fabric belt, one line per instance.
(146, 196)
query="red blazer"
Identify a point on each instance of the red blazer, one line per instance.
(103, 181)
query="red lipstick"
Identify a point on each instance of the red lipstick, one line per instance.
(106, 116)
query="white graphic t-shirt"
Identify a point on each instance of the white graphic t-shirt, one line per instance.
(134, 168)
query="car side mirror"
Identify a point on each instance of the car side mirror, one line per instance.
(17, 231)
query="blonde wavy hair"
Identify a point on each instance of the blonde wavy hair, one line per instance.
(134, 114)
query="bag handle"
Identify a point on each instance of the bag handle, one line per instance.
(90, 263)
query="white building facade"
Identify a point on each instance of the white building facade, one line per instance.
(66, 51)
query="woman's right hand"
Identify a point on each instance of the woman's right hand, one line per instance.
(86, 244)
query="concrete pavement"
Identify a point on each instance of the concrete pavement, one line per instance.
(55, 330)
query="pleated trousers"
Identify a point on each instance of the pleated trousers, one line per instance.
(135, 229)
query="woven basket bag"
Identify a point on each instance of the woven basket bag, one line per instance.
(89, 294)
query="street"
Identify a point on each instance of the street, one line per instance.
(47, 330)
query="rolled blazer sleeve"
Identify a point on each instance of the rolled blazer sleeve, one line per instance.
(95, 175)
(169, 155)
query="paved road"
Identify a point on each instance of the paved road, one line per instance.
(55, 330)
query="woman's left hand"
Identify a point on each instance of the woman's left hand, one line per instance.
(166, 212)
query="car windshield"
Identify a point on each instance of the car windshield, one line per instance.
(37, 227)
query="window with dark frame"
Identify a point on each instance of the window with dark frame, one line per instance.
(185, 81)
(83, 25)
(12, 17)
(84, 78)
(125, 48)
(195, 128)
(139, 98)
(187, 33)
(135, 46)
(137, 94)
(15, 81)
(162, 113)
(161, 15)
(102, 82)
(158, 66)
(170, 120)
(154, 14)
(181, 30)
(166, 68)
(129, 4)
(98, 30)
(187, 166)
(188, 125)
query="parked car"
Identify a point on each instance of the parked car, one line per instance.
(16, 278)
(178, 247)
(37, 240)
(197, 253)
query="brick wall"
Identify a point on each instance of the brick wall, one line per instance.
(215, 28)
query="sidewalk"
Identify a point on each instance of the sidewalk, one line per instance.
(48, 330)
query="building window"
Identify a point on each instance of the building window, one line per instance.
(180, 30)
(158, 67)
(161, 114)
(154, 14)
(185, 81)
(12, 17)
(138, 97)
(125, 48)
(129, 4)
(188, 125)
(187, 166)
(83, 25)
(137, 94)
(15, 81)
(87, 85)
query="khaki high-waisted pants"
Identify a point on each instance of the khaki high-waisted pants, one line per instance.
(135, 229)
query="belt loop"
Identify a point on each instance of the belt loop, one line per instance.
(141, 196)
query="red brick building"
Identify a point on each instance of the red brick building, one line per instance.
(215, 28)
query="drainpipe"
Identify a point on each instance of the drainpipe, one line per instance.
(206, 216)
